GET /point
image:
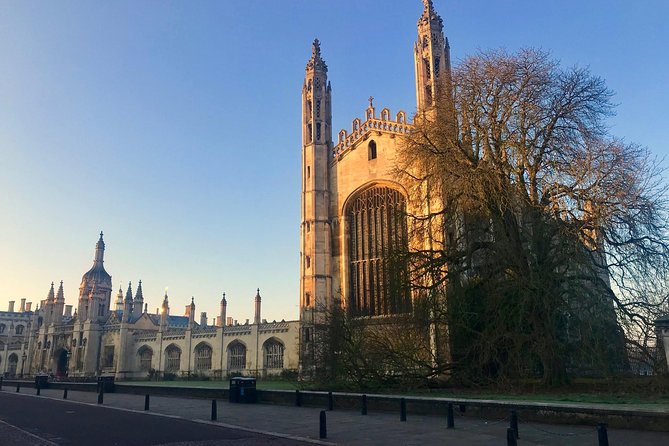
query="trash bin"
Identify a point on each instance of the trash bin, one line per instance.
(106, 383)
(42, 381)
(243, 390)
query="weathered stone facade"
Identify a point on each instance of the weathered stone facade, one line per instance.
(131, 343)
(354, 205)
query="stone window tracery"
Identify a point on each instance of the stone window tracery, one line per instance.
(236, 356)
(145, 358)
(273, 354)
(203, 353)
(377, 235)
(172, 358)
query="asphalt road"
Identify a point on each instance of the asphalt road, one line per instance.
(28, 420)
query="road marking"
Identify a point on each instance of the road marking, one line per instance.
(30, 434)
(178, 417)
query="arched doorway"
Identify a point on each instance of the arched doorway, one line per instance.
(62, 363)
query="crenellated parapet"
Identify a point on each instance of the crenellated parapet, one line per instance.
(360, 130)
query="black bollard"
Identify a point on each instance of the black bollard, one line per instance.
(323, 431)
(101, 396)
(330, 401)
(449, 417)
(18, 387)
(146, 402)
(298, 398)
(214, 412)
(602, 435)
(462, 408)
(65, 393)
(38, 389)
(0, 382)
(511, 437)
(514, 423)
(364, 404)
(403, 409)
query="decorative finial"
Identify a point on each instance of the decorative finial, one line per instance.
(192, 300)
(101, 234)
(316, 49)
(371, 101)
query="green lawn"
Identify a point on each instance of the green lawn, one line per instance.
(657, 400)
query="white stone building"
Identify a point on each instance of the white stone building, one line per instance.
(130, 343)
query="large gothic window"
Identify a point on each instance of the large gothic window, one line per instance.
(12, 364)
(236, 356)
(273, 351)
(203, 357)
(172, 358)
(377, 240)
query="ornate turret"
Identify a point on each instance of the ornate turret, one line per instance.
(256, 319)
(432, 56)
(59, 304)
(138, 302)
(164, 312)
(119, 299)
(47, 306)
(127, 304)
(95, 289)
(224, 311)
(190, 312)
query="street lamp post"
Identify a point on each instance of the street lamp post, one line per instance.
(23, 362)
(68, 355)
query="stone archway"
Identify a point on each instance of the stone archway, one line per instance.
(62, 357)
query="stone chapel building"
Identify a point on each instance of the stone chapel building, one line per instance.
(354, 208)
(353, 213)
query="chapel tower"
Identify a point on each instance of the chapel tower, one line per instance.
(315, 231)
(95, 289)
(432, 57)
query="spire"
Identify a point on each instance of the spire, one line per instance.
(223, 301)
(119, 299)
(257, 308)
(139, 295)
(166, 304)
(316, 62)
(100, 251)
(432, 57)
(60, 297)
(50, 297)
(128, 294)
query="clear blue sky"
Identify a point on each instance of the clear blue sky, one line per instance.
(175, 126)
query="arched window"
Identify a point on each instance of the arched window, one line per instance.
(12, 362)
(377, 242)
(203, 357)
(371, 150)
(172, 358)
(19, 329)
(273, 354)
(236, 356)
(145, 358)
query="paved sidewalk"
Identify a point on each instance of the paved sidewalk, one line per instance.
(348, 427)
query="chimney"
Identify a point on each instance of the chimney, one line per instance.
(203, 318)
(228, 320)
(29, 306)
(11, 306)
(68, 310)
(23, 305)
(187, 312)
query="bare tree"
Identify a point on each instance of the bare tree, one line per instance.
(555, 232)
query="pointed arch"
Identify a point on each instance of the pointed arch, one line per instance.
(145, 355)
(273, 352)
(172, 358)
(12, 364)
(203, 353)
(236, 355)
(376, 234)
